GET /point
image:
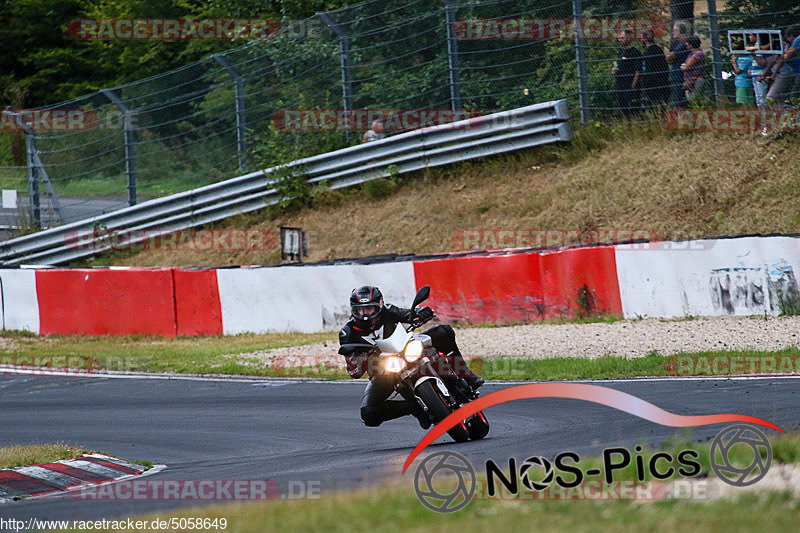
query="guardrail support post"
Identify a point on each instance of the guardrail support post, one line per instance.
(452, 55)
(240, 109)
(580, 56)
(130, 157)
(716, 56)
(347, 83)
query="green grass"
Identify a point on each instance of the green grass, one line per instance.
(34, 454)
(25, 455)
(146, 353)
(391, 509)
(605, 367)
(218, 355)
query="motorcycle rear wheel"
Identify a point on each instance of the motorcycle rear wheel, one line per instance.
(439, 409)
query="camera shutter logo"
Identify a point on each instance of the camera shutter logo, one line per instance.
(730, 437)
(445, 463)
(536, 462)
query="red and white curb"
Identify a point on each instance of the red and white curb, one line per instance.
(65, 475)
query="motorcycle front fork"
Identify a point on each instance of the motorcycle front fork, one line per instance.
(405, 391)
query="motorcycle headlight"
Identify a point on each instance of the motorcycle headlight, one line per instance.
(413, 351)
(393, 364)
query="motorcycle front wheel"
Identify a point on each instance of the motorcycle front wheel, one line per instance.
(439, 409)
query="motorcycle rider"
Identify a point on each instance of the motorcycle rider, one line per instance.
(372, 320)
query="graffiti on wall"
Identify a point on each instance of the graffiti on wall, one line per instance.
(754, 290)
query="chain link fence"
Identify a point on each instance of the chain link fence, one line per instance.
(227, 114)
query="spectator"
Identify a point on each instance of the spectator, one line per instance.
(375, 133)
(677, 56)
(655, 73)
(756, 70)
(784, 69)
(693, 68)
(627, 69)
(744, 84)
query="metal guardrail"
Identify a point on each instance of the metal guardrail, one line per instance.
(517, 129)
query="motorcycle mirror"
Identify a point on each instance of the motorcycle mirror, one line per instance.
(422, 294)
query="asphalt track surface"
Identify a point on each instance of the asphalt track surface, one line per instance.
(311, 431)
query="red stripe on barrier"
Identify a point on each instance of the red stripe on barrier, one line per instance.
(106, 302)
(83, 475)
(22, 483)
(497, 289)
(522, 287)
(581, 282)
(197, 305)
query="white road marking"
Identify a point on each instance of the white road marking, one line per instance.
(268, 381)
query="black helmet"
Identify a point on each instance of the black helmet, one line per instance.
(366, 306)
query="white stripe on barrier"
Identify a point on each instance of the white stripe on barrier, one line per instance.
(304, 299)
(51, 477)
(94, 468)
(743, 276)
(20, 304)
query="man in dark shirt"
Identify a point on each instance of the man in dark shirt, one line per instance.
(677, 56)
(627, 70)
(655, 80)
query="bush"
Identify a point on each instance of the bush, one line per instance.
(380, 188)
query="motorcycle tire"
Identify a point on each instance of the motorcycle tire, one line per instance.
(478, 426)
(438, 409)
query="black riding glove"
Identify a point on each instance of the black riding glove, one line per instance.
(424, 313)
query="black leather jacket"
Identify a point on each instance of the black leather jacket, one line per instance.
(351, 333)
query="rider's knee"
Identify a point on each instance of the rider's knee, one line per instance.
(448, 331)
(371, 416)
(441, 333)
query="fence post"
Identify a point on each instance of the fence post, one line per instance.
(130, 157)
(452, 55)
(580, 56)
(33, 182)
(240, 109)
(344, 52)
(36, 173)
(716, 57)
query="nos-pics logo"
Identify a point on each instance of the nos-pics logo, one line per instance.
(446, 481)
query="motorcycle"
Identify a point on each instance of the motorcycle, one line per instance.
(425, 375)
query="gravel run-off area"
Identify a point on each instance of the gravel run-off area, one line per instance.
(627, 338)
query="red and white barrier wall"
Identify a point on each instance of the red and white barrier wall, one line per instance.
(739, 276)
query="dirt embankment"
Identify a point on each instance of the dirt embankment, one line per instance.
(667, 183)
